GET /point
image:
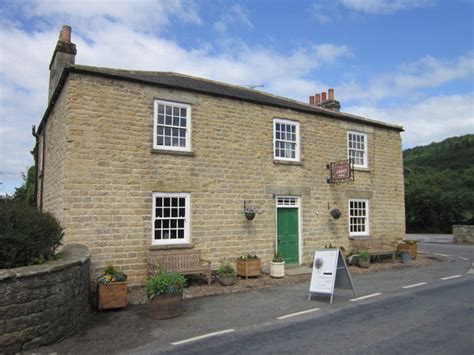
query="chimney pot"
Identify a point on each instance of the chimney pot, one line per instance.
(311, 100)
(317, 99)
(331, 94)
(323, 97)
(65, 34)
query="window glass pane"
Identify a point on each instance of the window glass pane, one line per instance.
(159, 202)
(161, 108)
(168, 110)
(182, 142)
(161, 119)
(175, 121)
(183, 122)
(175, 111)
(157, 234)
(183, 112)
(181, 233)
(168, 120)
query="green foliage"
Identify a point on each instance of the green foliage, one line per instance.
(165, 283)
(248, 257)
(277, 257)
(364, 255)
(111, 275)
(27, 236)
(226, 269)
(26, 192)
(439, 185)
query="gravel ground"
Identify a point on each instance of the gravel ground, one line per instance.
(199, 287)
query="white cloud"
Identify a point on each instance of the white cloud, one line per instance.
(236, 14)
(138, 14)
(428, 72)
(118, 43)
(432, 119)
(384, 6)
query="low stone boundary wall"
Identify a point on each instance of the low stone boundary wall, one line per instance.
(40, 304)
(463, 234)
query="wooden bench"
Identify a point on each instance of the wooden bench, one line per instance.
(187, 263)
(375, 247)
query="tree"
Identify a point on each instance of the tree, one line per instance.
(26, 192)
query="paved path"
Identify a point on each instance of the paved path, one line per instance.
(419, 322)
(430, 238)
(132, 330)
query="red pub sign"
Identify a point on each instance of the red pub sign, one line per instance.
(341, 171)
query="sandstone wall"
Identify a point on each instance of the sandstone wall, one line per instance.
(463, 234)
(111, 171)
(42, 303)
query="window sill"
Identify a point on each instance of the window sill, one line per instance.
(367, 170)
(287, 162)
(173, 152)
(360, 237)
(171, 246)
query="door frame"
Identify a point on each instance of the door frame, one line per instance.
(300, 224)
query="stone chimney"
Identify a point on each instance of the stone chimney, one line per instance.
(326, 101)
(64, 53)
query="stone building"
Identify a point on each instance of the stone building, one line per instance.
(131, 161)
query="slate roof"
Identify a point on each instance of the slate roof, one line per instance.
(210, 87)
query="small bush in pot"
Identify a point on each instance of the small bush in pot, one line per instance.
(364, 259)
(277, 266)
(226, 274)
(165, 290)
(112, 289)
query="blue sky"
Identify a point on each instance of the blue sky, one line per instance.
(409, 62)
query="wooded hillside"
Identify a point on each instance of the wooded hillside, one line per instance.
(439, 185)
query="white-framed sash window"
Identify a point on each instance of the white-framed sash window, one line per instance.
(170, 218)
(286, 140)
(357, 149)
(358, 217)
(172, 126)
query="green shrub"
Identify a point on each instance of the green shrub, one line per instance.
(27, 236)
(165, 283)
(226, 269)
(364, 255)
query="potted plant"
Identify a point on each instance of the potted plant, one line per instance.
(410, 247)
(277, 266)
(226, 274)
(364, 259)
(165, 290)
(111, 289)
(335, 213)
(250, 213)
(249, 265)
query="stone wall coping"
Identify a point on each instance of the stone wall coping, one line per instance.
(171, 246)
(173, 152)
(73, 254)
(287, 162)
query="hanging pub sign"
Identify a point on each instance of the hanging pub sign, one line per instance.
(340, 171)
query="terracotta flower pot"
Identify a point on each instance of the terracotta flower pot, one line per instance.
(167, 306)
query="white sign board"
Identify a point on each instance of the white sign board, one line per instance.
(329, 270)
(324, 271)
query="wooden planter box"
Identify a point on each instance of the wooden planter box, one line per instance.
(112, 295)
(251, 267)
(412, 249)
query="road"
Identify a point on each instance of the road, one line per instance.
(434, 320)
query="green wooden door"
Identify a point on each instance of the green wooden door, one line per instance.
(287, 233)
